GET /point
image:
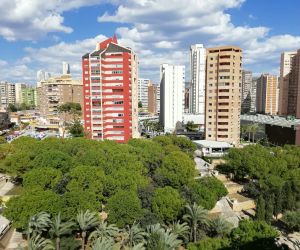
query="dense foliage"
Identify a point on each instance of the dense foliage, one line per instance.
(273, 176)
(144, 180)
(248, 236)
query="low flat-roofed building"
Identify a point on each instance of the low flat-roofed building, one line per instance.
(213, 148)
(277, 129)
(239, 202)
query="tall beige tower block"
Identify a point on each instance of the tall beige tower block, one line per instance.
(223, 94)
(266, 94)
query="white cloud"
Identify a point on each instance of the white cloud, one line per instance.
(157, 24)
(166, 45)
(50, 58)
(32, 19)
(160, 31)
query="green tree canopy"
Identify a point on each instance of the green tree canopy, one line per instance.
(176, 170)
(124, 208)
(167, 203)
(87, 178)
(42, 178)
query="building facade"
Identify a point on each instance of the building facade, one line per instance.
(158, 98)
(7, 94)
(198, 69)
(253, 96)
(223, 94)
(187, 93)
(18, 91)
(152, 99)
(29, 96)
(171, 95)
(110, 76)
(65, 68)
(267, 94)
(246, 91)
(56, 91)
(293, 99)
(143, 92)
(285, 68)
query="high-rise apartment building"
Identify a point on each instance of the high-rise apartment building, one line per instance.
(266, 94)
(285, 68)
(293, 99)
(197, 90)
(152, 99)
(29, 96)
(18, 91)
(143, 92)
(56, 91)
(41, 75)
(187, 93)
(223, 94)
(253, 96)
(158, 98)
(65, 68)
(171, 95)
(246, 91)
(110, 76)
(7, 94)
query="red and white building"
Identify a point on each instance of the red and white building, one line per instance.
(110, 92)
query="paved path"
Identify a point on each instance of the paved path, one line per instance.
(15, 241)
(6, 188)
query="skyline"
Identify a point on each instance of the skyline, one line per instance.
(38, 35)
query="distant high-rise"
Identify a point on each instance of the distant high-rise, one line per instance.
(223, 94)
(197, 90)
(171, 95)
(285, 69)
(41, 75)
(152, 98)
(266, 94)
(18, 90)
(158, 98)
(187, 93)
(246, 91)
(293, 99)
(253, 96)
(110, 88)
(66, 68)
(54, 92)
(143, 91)
(7, 94)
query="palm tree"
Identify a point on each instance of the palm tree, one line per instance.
(220, 227)
(181, 229)
(103, 244)
(134, 235)
(254, 129)
(39, 243)
(104, 231)
(86, 220)
(161, 239)
(38, 223)
(59, 228)
(196, 215)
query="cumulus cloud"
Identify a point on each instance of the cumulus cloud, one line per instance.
(50, 60)
(160, 24)
(32, 19)
(160, 31)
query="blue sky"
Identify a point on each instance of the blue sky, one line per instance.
(37, 34)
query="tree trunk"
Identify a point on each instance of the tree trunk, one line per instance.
(249, 136)
(195, 233)
(83, 239)
(57, 243)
